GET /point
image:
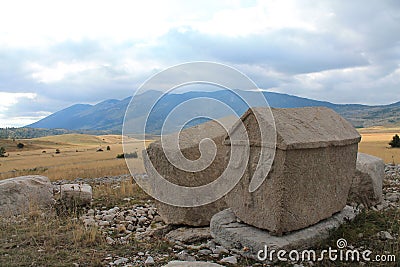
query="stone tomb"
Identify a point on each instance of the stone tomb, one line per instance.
(311, 175)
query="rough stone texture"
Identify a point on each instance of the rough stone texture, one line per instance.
(22, 194)
(191, 264)
(189, 140)
(189, 235)
(366, 188)
(236, 236)
(315, 161)
(76, 194)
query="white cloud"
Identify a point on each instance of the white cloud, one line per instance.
(10, 99)
(59, 71)
(67, 52)
(263, 17)
(18, 121)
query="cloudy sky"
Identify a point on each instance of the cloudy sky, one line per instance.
(57, 53)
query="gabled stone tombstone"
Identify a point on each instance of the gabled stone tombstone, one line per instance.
(189, 140)
(311, 174)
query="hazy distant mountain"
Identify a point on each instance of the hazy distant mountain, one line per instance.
(109, 114)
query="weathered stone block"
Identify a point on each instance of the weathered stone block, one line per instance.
(310, 178)
(248, 240)
(76, 194)
(366, 187)
(22, 194)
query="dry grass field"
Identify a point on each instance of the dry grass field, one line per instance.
(78, 157)
(375, 141)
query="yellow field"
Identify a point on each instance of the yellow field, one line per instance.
(375, 141)
(78, 157)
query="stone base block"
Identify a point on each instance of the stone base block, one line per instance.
(247, 240)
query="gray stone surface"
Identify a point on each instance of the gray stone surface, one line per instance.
(76, 194)
(366, 188)
(25, 193)
(315, 161)
(191, 264)
(189, 140)
(248, 240)
(189, 235)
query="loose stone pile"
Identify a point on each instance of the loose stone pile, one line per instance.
(124, 221)
(391, 186)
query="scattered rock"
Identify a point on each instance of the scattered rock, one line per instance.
(220, 250)
(205, 252)
(104, 223)
(89, 222)
(110, 241)
(149, 261)
(392, 197)
(121, 261)
(189, 235)
(384, 235)
(184, 256)
(231, 260)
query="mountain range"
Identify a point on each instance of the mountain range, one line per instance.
(109, 114)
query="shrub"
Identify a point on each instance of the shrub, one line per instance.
(20, 145)
(2, 152)
(395, 141)
(127, 155)
(108, 148)
(58, 151)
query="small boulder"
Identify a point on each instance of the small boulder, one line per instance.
(22, 194)
(231, 260)
(189, 235)
(76, 194)
(149, 261)
(366, 187)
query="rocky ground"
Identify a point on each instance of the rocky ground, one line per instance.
(141, 222)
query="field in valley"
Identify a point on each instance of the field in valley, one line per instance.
(375, 141)
(78, 157)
